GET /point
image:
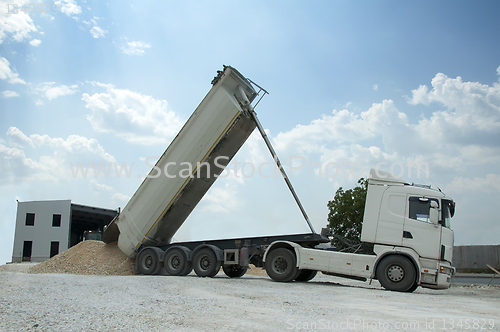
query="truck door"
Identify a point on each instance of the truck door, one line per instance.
(447, 237)
(418, 232)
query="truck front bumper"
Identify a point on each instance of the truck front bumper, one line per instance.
(443, 277)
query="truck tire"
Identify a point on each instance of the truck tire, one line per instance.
(205, 263)
(306, 275)
(397, 273)
(412, 288)
(281, 265)
(176, 263)
(148, 261)
(234, 271)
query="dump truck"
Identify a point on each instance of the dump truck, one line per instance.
(409, 225)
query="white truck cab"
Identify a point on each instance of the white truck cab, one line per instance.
(409, 226)
(414, 219)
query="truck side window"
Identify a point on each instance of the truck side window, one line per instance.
(419, 208)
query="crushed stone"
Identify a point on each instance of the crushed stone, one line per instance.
(88, 258)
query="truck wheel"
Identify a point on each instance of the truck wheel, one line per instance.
(234, 271)
(205, 263)
(148, 261)
(281, 265)
(396, 273)
(176, 263)
(306, 275)
(412, 288)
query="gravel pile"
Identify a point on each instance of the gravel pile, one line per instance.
(88, 258)
(256, 271)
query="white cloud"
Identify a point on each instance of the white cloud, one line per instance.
(350, 161)
(17, 25)
(420, 96)
(18, 138)
(471, 115)
(255, 149)
(7, 74)
(135, 48)
(93, 21)
(68, 7)
(35, 42)
(132, 116)
(10, 94)
(120, 197)
(73, 144)
(489, 184)
(375, 87)
(100, 186)
(51, 92)
(97, 32)
(463, 131)
(221, 199)
(476, 154)
(44, 158)
(343, 126)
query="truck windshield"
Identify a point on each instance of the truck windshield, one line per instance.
(448, 210)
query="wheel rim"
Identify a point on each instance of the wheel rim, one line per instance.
(175, 262)
(395, 273)
(205, 263)
(148, 262)
(280, 265)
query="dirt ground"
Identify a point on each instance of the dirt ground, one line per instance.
(65, 302)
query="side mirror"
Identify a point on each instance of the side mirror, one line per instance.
(434, 213)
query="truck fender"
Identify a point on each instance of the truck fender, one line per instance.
(284, 244)
(186, 251)
(408, 253)
(218, 252)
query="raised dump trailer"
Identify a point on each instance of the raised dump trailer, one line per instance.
(408, 225)
(190, 165)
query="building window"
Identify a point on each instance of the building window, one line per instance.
(28, 245)
(54, 249)
(56, 220)
(30, 219)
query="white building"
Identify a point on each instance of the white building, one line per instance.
(46, 228)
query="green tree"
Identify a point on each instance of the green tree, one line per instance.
(345, 218)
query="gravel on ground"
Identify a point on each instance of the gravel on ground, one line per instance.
(65, 302)
(91, 287)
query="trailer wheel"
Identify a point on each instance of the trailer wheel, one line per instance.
(176, 263)
(205, 263)
(187, 269)
(234, 271)
(397, 273)
(306, 275)
(281, 265)
(148, 261)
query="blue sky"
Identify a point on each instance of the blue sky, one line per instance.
(363, 82)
